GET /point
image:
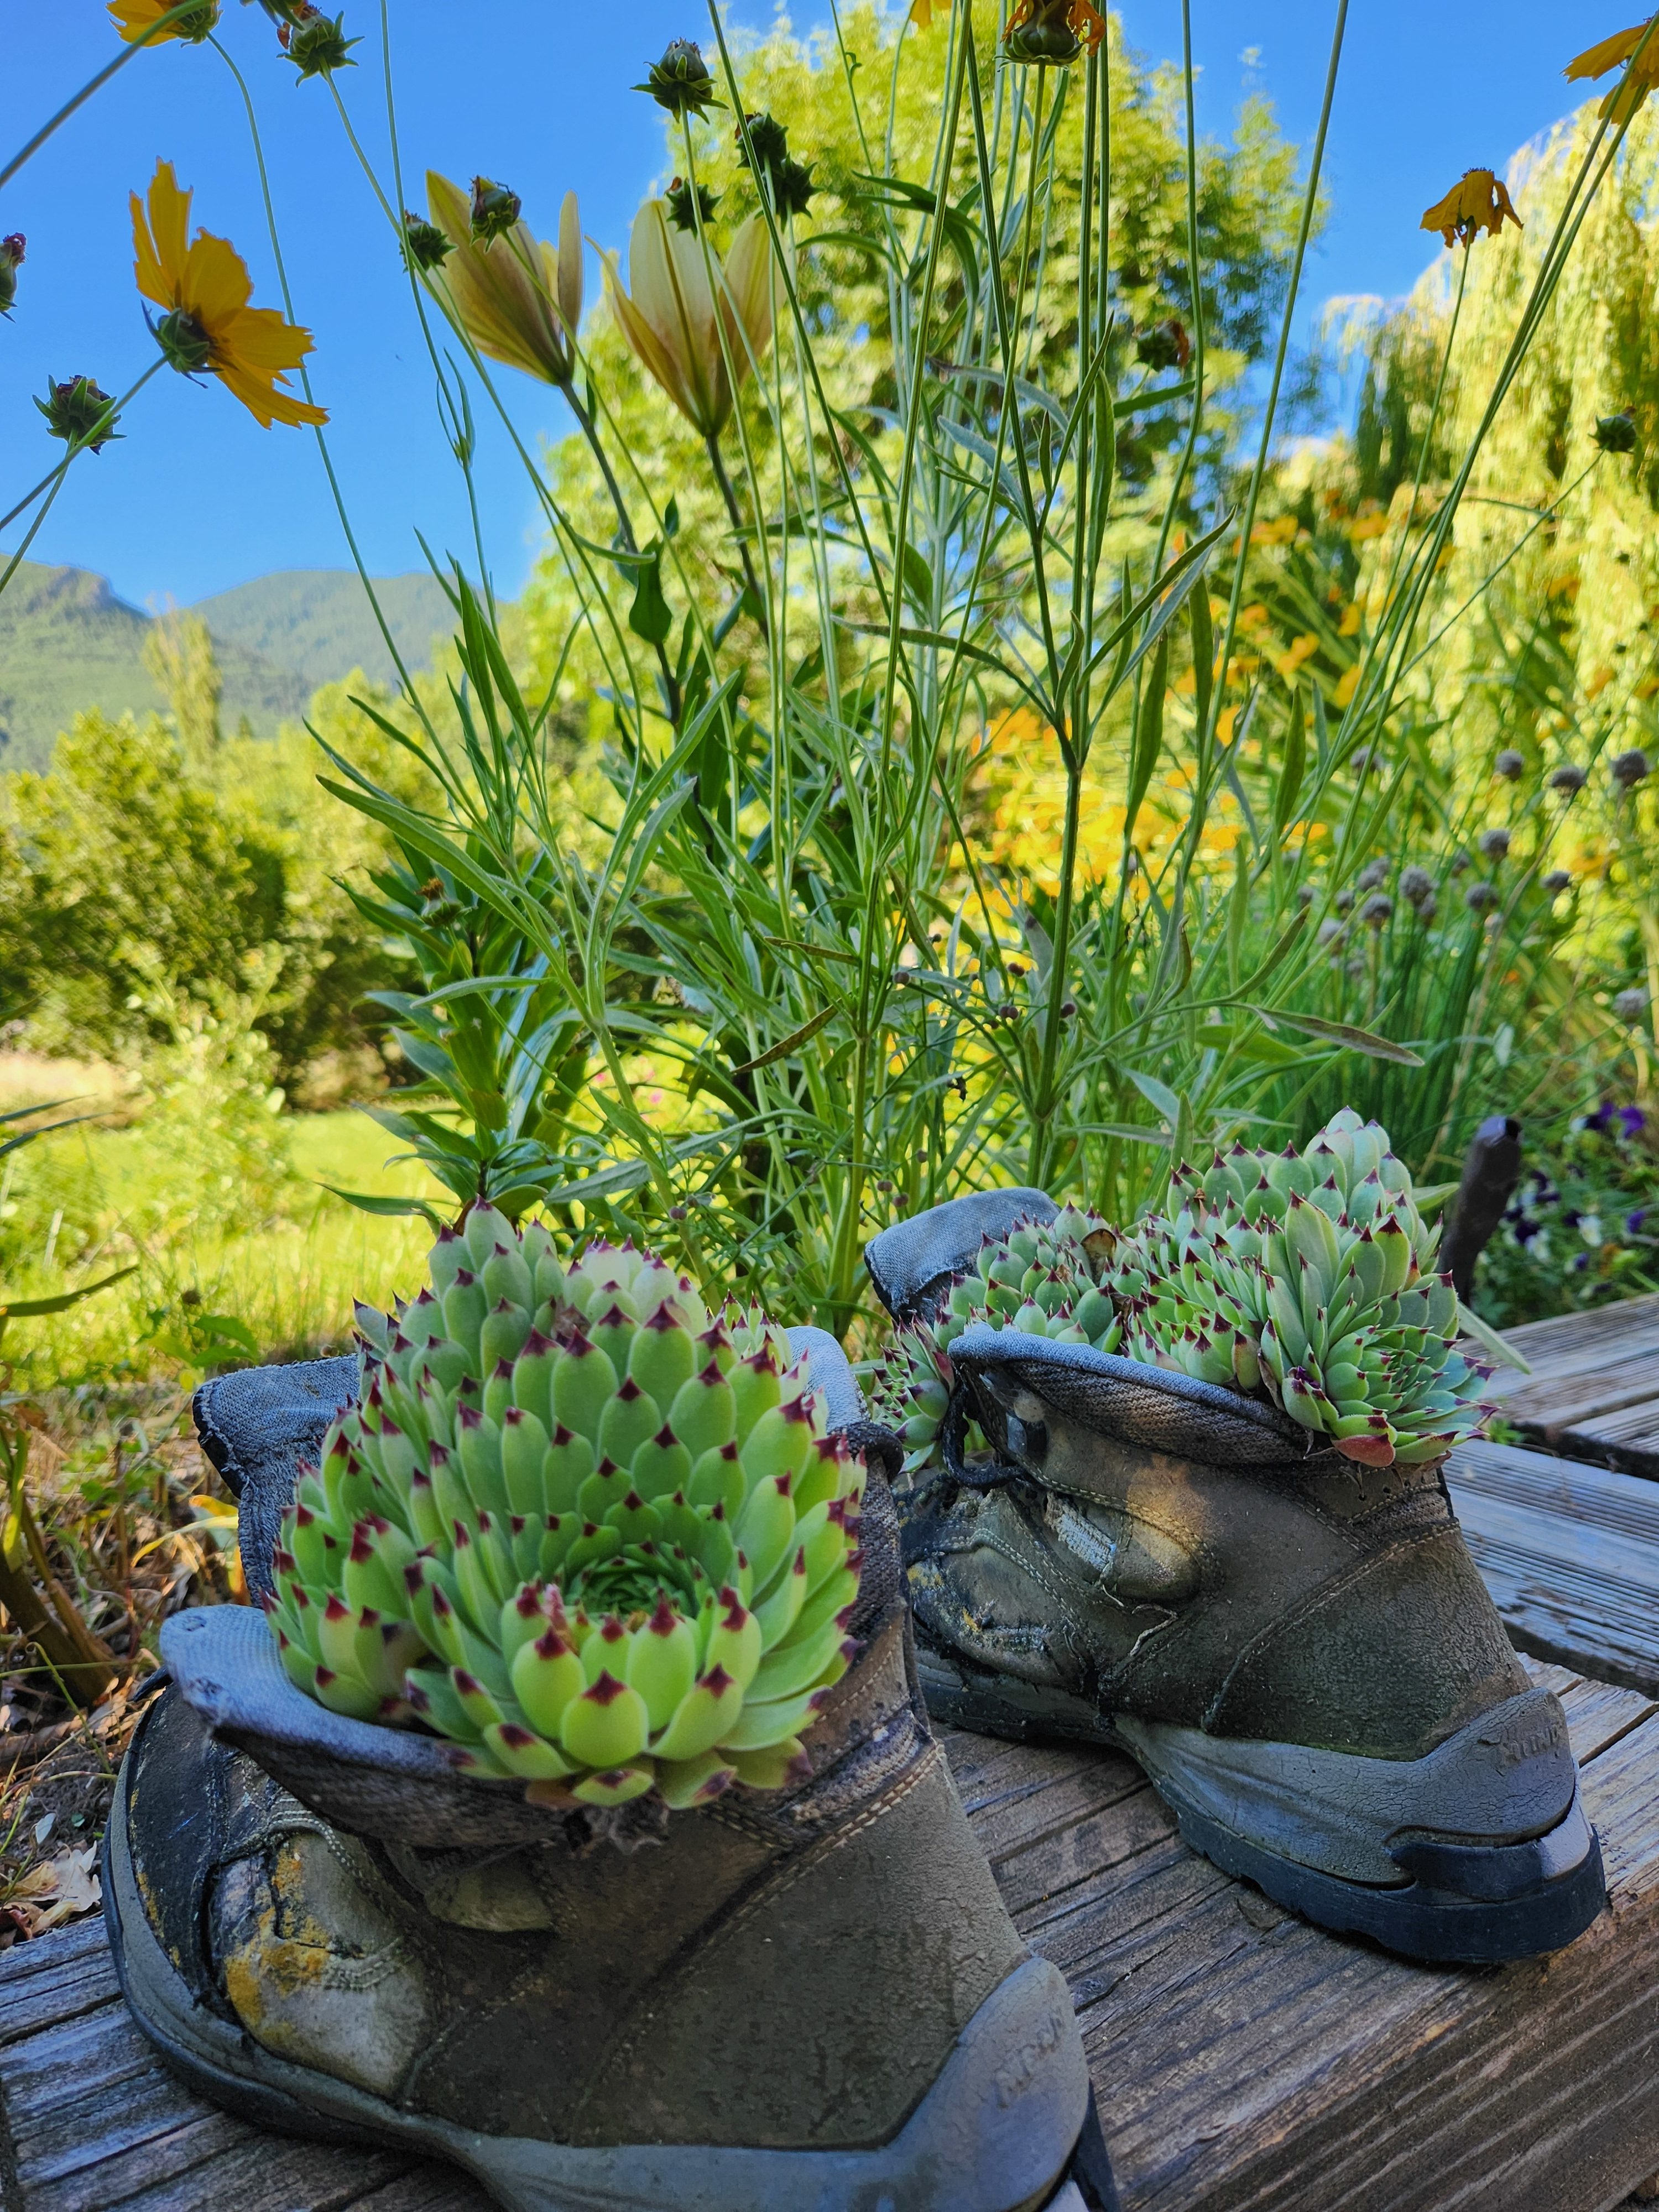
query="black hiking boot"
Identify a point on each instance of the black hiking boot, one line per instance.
(1298, 1651)
(806, 2000)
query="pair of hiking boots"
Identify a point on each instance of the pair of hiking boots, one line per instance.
(811, 1999)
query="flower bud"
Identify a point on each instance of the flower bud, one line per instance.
(680, 82)
(1494, 843)
(1631, 768)
(316, 45)
(79, 413)
(1566, 780)
(1416, 884)
(1557, 881)
(1509, 764)
(184, 344)
(689, 206)
(495, 210)
(1480, 898)
(11, 261)
(1630, 1006)
(1616, 434)
(1376, 910)
(427, 247)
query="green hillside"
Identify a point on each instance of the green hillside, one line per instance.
(319, 622)
(68, 644)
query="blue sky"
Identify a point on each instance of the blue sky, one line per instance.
(197, 498)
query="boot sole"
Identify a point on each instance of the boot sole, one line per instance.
(1472, 1903)
(995, 2133)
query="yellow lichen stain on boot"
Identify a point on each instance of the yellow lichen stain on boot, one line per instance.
(316, 1971)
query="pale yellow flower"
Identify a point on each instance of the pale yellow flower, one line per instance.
(671, 320)
(519, 301)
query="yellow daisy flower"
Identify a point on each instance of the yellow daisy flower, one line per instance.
(1477, 201)
(133, 18)
(209, 324)
(1639, 80)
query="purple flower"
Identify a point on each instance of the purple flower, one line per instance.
(1526, 1229)
(1633, 1120)
(1580, 1263)
(1571, 1218)
(1634, 1220)
(1601, 1120)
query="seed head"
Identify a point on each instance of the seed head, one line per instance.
(1631, 768)
(1494, 843)
(1509, 764)
(1566, 780)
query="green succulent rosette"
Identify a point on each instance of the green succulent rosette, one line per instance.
(1306, 1278)
(598, 1538)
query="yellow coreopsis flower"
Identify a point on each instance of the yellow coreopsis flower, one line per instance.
(1477, 201)
(133, 18)
(1639, 80)
(208, 325)
(519, 301)
(668, 318)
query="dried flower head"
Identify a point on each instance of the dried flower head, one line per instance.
(1376, 910)
(1494, 843)
(1568, 780)
(1509, 764)
(1556, 882)
(1633, 46)
(1481, 898)
(1630, 1006)
(1477, 201)
(1049, 33)
(1164, 345)
(1416, 884)
(1632, 768)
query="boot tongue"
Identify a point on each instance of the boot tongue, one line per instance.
(258, 1427)
(911, 1264)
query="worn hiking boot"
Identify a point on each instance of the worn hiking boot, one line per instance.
(1297, 1649)
(806, 2000)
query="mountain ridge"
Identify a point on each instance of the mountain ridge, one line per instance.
(69, 644)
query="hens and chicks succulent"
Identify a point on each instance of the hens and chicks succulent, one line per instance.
(597, 1538)
(1304, 1277)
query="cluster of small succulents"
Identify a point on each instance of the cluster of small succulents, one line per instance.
(597, 1538)
(1043, 1279)
(1306, 1278)
(1310, 1277)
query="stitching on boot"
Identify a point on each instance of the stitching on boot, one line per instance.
(1329, 1592)
(769, 1884)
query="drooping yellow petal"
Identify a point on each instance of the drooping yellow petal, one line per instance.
(644, 344)
(569, 285)
(261, 340)
(213, 283)
(262, 399)
(1477, 201)
(169, 221)
(146, 267)
(748, 296)
(132, 18)
(921, 13)
(668, 283)
(1598, 60)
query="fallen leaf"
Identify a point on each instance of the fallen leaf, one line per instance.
(59, 1891)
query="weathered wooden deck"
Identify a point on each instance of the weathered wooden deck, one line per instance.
(1244, 2062)
(1593, 1389)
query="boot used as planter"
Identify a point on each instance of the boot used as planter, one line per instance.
(667, 1960)
(1275, 1615)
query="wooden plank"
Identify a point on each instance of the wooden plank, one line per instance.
(1245, 2060)
(1571, 1553)
(1594, 1390)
